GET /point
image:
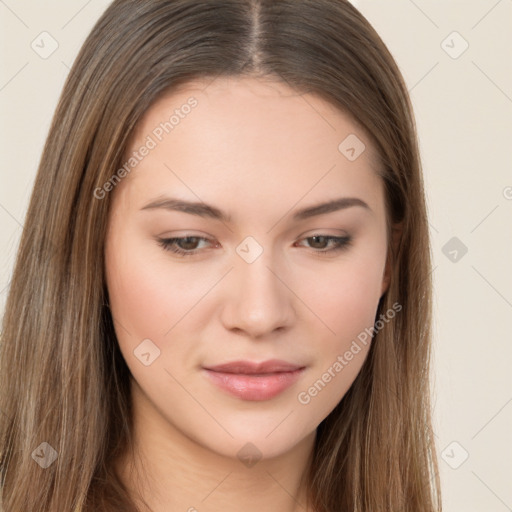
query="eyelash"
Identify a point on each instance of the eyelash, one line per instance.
(341, 243)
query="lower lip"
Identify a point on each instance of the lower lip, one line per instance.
(256, 388)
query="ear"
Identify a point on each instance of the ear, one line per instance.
(396, 234)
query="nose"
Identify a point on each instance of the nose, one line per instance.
(259, 301)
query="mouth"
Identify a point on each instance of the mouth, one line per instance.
(252, 381)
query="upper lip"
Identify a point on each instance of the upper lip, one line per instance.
(250, 367)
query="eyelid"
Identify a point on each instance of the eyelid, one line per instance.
(307, 234)
(341, 242)
(324, 232)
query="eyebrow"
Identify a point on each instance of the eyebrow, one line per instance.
(205, 210)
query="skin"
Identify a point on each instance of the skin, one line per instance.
(260, 151)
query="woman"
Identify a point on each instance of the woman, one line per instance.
(222, 295)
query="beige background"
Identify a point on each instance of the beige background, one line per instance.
(463, 104)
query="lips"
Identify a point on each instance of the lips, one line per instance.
(248, 380)
(252, 368)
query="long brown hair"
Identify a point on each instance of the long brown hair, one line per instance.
(63, 380)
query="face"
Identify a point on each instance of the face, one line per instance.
(251, 272)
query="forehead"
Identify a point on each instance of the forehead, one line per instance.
(249, 109)
(249, 136)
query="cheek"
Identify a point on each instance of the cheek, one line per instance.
(346, 301)
(138, 301)
(148, 299)
(345, 296)
(148, 296)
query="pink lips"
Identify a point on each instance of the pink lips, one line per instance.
(254, 381)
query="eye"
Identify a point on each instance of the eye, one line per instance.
(184, 246)
(323, 244)
(188, 245)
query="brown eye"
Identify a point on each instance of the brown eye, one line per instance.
(320, 243)
(184, 246)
